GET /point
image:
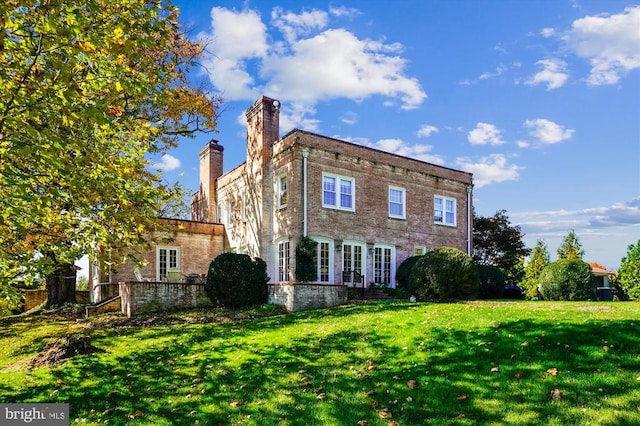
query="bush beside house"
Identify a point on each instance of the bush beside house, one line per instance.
(445, 274)
(236, 281)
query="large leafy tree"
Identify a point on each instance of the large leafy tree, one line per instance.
(497, 242)
(538, 260)
(88, 90)
(571, 247)
(629, 272)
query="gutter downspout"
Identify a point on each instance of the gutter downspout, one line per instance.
(469, 221)
(305, 155)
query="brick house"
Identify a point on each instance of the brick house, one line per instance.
(367, 209)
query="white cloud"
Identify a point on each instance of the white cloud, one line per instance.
(548, 132)
(485, 134)
(547, 32)
(610, 43)
(494, 168)
(313, 63)
(416, 151)
(619, 214)
(554, 74)
(498, 72)
(427, 130)
(294, 25)
(167, 163)
(341, 11)
(235, 38)
(399, 147)
(349, 118)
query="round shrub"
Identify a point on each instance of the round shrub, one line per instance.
(566, 279)
(403, 274)
(236, 281)
(445, 274)
(492, 282)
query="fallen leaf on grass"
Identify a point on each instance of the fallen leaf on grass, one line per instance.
(136, 415)
(363, 423)
(605, 348)
(385, 414)
(519, 375)
(463, 397)
(460, 416)
(370, 393)
(495, 370)
(321, 396)
(235, 404)
(553, 371)
(392, 423)
(412, 384)
(525, 344)
(555, 394)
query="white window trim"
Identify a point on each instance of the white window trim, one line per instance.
(319, 240)
(338, 205)
(444, 211)
(419, 247)
(392, 270)
(288, 262)
(279, 190)
(178, 258)
(363, 247)
(403, 191)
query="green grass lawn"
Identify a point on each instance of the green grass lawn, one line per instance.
(468, 363)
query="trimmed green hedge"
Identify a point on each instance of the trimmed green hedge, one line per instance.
(445, 274)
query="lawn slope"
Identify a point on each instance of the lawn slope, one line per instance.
(467, 363)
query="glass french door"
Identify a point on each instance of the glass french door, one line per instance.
(352, 261)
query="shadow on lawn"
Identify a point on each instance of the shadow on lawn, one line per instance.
(241, 373)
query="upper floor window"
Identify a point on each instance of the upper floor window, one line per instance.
(338, 192)
(283, 196)
(397, 203)
(444, 210)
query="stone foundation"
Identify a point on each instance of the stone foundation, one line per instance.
(300, 297)
(142, 297)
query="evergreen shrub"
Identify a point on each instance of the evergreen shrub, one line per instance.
(445, 274)
(492, 282)
(237, 281)
(567, 279)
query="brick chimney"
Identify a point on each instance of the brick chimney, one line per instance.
(203, 205)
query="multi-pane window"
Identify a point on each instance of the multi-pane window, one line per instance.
(352, 259)
(338, 192)
(397, 202)
(324, 259)
(168, 259)
(283, 261)
(444, 210)
(383, 265)
(283, 195)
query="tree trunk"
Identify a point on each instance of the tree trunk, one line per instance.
(61, 285)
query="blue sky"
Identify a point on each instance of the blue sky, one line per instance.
(539, 99)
